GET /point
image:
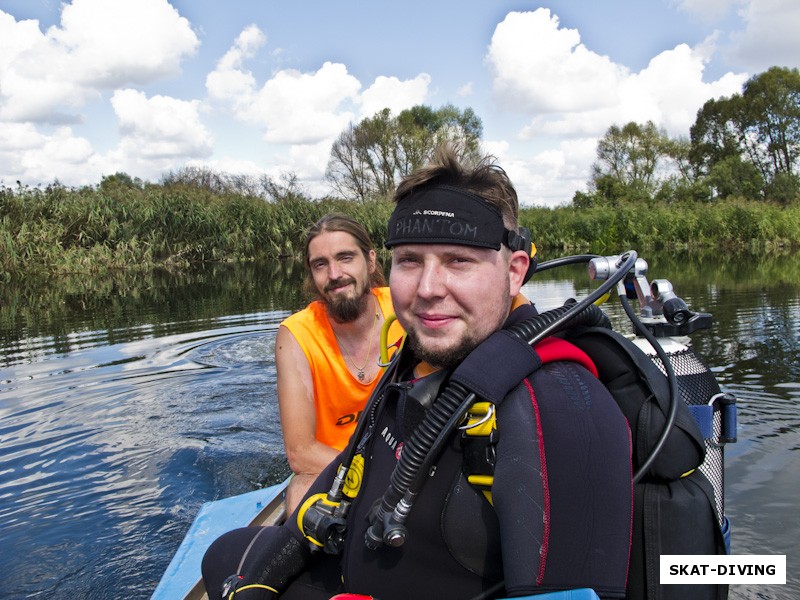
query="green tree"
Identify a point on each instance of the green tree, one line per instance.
(749, 144)
(369, 158)
(771, 121)
(120, 180)
(627, 161)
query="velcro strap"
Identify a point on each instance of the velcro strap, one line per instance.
(497, 366)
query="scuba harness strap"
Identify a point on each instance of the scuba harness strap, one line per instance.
(480, 434)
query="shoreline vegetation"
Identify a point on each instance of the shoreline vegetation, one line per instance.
(127, 225)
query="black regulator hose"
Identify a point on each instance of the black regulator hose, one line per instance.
(565, 260)
(424, 445)
(674, 390)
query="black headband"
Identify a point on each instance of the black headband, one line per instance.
(442, 214)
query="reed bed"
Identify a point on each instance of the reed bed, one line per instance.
(59, 230)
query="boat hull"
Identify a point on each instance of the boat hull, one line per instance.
(182, 578)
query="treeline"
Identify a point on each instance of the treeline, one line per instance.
(745, 145)
(125, 224)
(732, 225)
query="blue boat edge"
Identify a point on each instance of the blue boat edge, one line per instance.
(182, 577)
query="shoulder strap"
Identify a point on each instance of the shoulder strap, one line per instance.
(503, 360)
(480, 434)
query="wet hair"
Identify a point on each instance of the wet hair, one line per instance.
(340, 222)
(484, 178)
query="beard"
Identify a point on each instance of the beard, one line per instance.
(446, 358)
(346, 309)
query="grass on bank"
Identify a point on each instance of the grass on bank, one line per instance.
(61, 230)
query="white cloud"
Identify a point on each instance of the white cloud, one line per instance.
(770, 37)
(229, 83)
(34, 75)
(555, 95)
(465, 90)
(158, 132)
(550, 176)
(36, 158)
(394, 94)
(305, 107)
(292, 107)
(589, 94)
(541, 68)
(245, 46)
(100, 44)
(114, 42)
(574, 95)
(707, 10)
(305, 111)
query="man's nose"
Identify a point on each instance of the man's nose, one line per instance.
(432, 280)
(334, 271)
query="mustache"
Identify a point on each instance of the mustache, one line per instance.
(338, 283)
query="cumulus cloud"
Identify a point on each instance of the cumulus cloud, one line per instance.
(292, 107)
(547, 176)
(35, 84)
(538, 67)
(573, 95)
(394, 94)
(465, 90)
(99, 45)
(770, 35)
(35, 158)
(542, 69)
(230, 83)
(157, 132)
(114, 42)
(304, 110)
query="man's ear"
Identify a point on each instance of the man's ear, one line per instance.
(517, 268)
(371, 261)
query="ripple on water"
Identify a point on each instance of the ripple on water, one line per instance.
(112, 444)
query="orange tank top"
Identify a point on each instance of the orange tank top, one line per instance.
(339, 397)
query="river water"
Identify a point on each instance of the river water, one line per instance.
(127, 402)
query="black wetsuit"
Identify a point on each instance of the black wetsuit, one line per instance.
(561, 518)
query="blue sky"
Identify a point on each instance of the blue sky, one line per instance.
(92, 87)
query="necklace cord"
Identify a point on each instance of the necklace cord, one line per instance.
(360, 370)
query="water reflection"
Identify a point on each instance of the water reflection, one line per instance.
(125, 403)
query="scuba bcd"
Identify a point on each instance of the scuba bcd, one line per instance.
(657, 417)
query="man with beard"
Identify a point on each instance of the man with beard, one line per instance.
(531, 493)
(327, 354)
